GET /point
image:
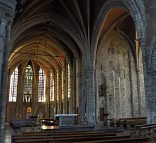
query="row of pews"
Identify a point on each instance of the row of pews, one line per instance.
(128, 122)
(89, 136)
(137, 131)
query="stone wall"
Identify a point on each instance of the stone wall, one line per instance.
(116, 70)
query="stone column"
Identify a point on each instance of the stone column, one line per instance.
(48, 95)
(149, 81)
(131, 85)
(7, 8)
(82, 99)
(7, 116)
(65, 90)
(60, 91)
(73, 88)
(149, 60)
(90, 107)
(35, 89)
(55, 93)
(19, 101)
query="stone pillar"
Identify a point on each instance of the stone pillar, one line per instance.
(7, 8)
(73, 88)
(60, 91)
(19, 101)
(55, 93)
(149, 81)
(35, 89)
(7, 117)
(48, 95)
(149, 59)
(82, 99)
(149, 62)
(65, 99)
(131, 85)
(90, 106)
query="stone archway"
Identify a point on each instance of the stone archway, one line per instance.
(116, 61)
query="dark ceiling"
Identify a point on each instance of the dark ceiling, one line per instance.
(66, 34)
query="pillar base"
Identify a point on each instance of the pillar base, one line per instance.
(151, 119)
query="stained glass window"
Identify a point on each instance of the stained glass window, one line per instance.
(13, 86)
(57, 87)
(51, 87)
(62, 85)
(68, 81)
(28, 80)
(41, 86)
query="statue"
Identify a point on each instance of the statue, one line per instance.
(102, 90)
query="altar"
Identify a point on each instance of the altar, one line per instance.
(66, 119)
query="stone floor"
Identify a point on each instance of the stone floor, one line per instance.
(8, 134)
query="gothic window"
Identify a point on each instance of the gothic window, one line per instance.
(62, 84)
(28, 79)
(41, 86)
(68, 81)
(13, 86)
(57, 87)
(51, 87)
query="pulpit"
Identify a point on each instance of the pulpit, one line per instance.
(66, 119)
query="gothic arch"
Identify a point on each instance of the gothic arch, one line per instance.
(132, 7)
(51, 19)
(150, 56)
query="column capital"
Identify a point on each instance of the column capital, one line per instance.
(7, 8)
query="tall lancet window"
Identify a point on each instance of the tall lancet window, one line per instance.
(13, 86)
(28, 80)
(41, 86)
(51, 87)
(68, 81)
(62, 84)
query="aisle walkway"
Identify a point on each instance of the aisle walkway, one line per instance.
(8, 133)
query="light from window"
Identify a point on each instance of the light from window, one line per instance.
(51, 87)
(28, 80)
(13, 86)
(68, 81)
(57, 94)
(41, 86)
(62, 85)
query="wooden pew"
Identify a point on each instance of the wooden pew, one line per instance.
(76, 137)
(128, 122)
(69, 139)
(146, 130)
(61, 134)
(120, 140)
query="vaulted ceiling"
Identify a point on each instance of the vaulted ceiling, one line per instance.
(50, 31)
